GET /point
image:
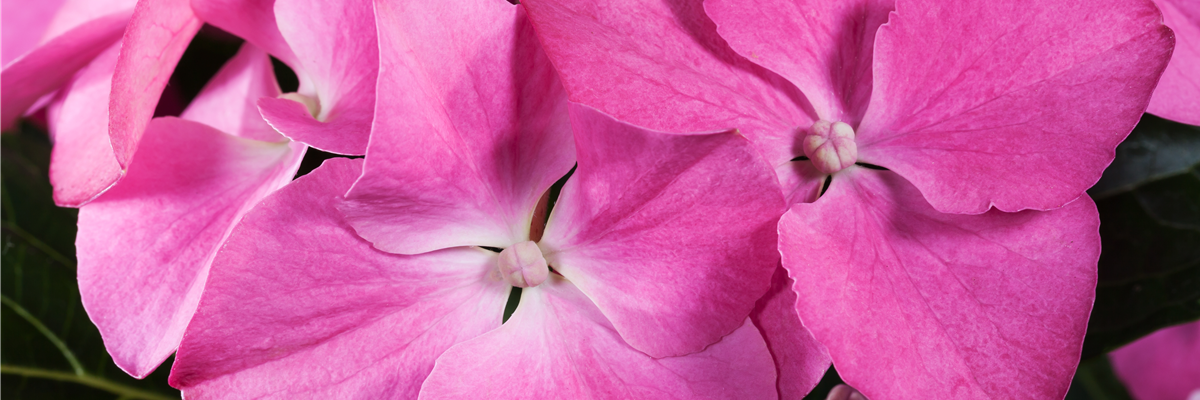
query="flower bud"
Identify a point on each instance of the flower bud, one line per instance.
(830, 146)
(522, 265)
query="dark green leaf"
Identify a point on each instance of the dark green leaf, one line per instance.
(1095, 380)
(1149, 201)
(1157, 148)
(51, 349)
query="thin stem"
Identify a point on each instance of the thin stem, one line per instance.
(45, 248)
(87, 380)
(6, 202)
(46, 332)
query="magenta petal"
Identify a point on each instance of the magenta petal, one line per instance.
(227, 102)
(337, 62)
(1162, 366)
(558, 345)
(52, 64)
(638, 199)
(823, 47)
(660, 64)
(158, 33)
(472, 129)
(799, 358)
(1007, 103)
(801, 181)
(1178, 94)
(140, 273)
(298, 306)
(23, 24)
(914, 303)
(82, 164)
(292, 119)
(75, 13)
(253, 20)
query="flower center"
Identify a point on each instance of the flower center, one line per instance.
(311, 103)
(830, 146)
(522, 265)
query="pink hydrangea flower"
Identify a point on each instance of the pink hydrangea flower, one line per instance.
(1178, 94)
(145, 245)
(1162, 366)
(332, 48)
(657, 248)
(200, 178)
(922, 280)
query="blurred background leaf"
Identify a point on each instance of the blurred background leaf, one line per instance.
(1149, 273)
(1149, 202)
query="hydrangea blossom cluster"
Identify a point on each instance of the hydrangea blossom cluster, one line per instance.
(681, 198)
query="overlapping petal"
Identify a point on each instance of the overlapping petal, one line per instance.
(1007, 103)
(228, 100)
(1162, 366)
(799, 358)
(82, 164)
(914, 303)
(297, 305)
(158, 33)
(802, 182)
(337, 59)
(75, 13)
(559, 345)
(140, 273)
(51, 65)
(471, 129)
(23, 25)
(1177, 96)
(670, 235)
(660, 64)
(253, 20)
(823, 47)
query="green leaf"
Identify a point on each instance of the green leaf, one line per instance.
(1095, 380)
(51, 349)
(1149, 202)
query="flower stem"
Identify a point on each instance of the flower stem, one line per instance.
(125, 392)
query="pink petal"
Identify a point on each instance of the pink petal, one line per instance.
(1007, 103)
(158, 33)
(1162, 366)
(298, 306)
(74, 13)
(801, 181)
(82, 164)
(799, 358)
(823, 47)
(339, 136)
(672, 236)
(660, 64)
(559, 345)
(140, 272)
(914, 303)
(1178, 94)
(51, 65)
(23, 24)
(227, 102)
(338, 60)
(253, 20)
(472, 129)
